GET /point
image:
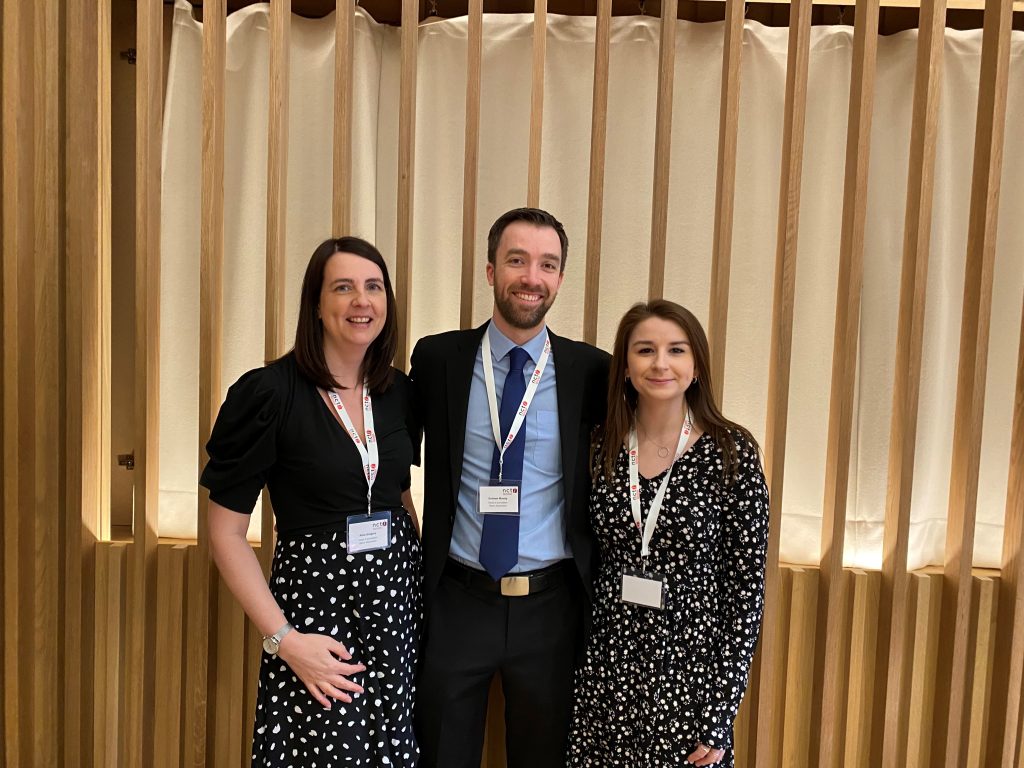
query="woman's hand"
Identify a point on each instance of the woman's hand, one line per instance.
(319, 662)
(705, 755)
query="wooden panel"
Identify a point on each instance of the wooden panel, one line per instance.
(725, 194)
(474, 59)
(983, 620)
(228, 681)
(830, 663)
(540, 39)
(171, 571)
(87, 341)
(595, 198)
(1008, 670)
(770, 684)
(662, 148)
(954, 670)
(406, 166)
(18, 488)
(48, 662)
(148, 118)
(344, 55)
(927, 608)
(802, 639)
(862, 694)
(211, 267)
(889, 719)
(108, 599)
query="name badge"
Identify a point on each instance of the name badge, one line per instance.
(368, 533)
(646, 589)
(499, 497)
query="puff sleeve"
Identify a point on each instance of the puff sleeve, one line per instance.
(243, 445)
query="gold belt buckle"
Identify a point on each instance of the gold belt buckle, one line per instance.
(515, 586)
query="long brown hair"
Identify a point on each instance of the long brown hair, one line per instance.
(622, 396)
(309, 333)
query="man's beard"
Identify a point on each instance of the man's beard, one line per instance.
(522, 317)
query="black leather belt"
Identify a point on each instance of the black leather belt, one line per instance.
(513, 585)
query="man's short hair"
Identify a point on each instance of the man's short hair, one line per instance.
(534, 216)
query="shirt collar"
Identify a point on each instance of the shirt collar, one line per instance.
(501, 344)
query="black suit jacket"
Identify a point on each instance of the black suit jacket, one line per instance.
(441, 374)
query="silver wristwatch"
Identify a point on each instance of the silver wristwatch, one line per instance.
(272, 643)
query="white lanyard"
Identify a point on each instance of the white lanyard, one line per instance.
(659, 497)
(368, 452)
(492, 397)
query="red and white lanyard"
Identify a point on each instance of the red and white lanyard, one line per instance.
(492, 397)
(648, 526)
(368, 452)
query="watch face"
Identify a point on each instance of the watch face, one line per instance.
(271, 645)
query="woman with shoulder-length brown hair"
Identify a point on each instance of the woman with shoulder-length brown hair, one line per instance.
(679, 508)
(326, 429)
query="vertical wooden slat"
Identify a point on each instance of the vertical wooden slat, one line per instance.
(830, 665)
(18, 695)
(171, 570)
(540, 41)
(662, 148)
(225, 747)
(45, 296)
(141, 630)
(1008, 667)
(983, 621)
(954, 671)
(108, 602)
(406, 166)
(211, 260)
(595, 198)
(87, 339)
(888, 743)
(921, 683)
(344, 56)
(725, 193)
(802, 638)
(863, 696)
(212, 718)
(770, 691)
(474, 59)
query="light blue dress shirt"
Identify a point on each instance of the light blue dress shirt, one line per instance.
(542, 536)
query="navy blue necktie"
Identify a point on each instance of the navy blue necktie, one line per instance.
(499, 542)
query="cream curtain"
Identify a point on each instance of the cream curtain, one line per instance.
(505, 118)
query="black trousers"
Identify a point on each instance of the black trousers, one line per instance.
(531, 641)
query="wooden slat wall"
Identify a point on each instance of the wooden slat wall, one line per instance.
(1008, 672)
(771, 700)
(474, 61)
(109, 611)
(595, 199)
(893, 667)
(831, 656)
(954, 675)
(406, 165)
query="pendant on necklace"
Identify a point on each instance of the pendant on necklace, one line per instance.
(662, 453)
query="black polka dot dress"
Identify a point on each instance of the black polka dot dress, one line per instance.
(653, 683)
(274, 430)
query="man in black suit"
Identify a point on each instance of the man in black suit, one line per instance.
(508, 409)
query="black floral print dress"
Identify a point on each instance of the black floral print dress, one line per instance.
(655, 683)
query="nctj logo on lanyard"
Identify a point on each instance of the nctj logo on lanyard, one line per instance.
(647, 527)
(492, 397)
(369, 452)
